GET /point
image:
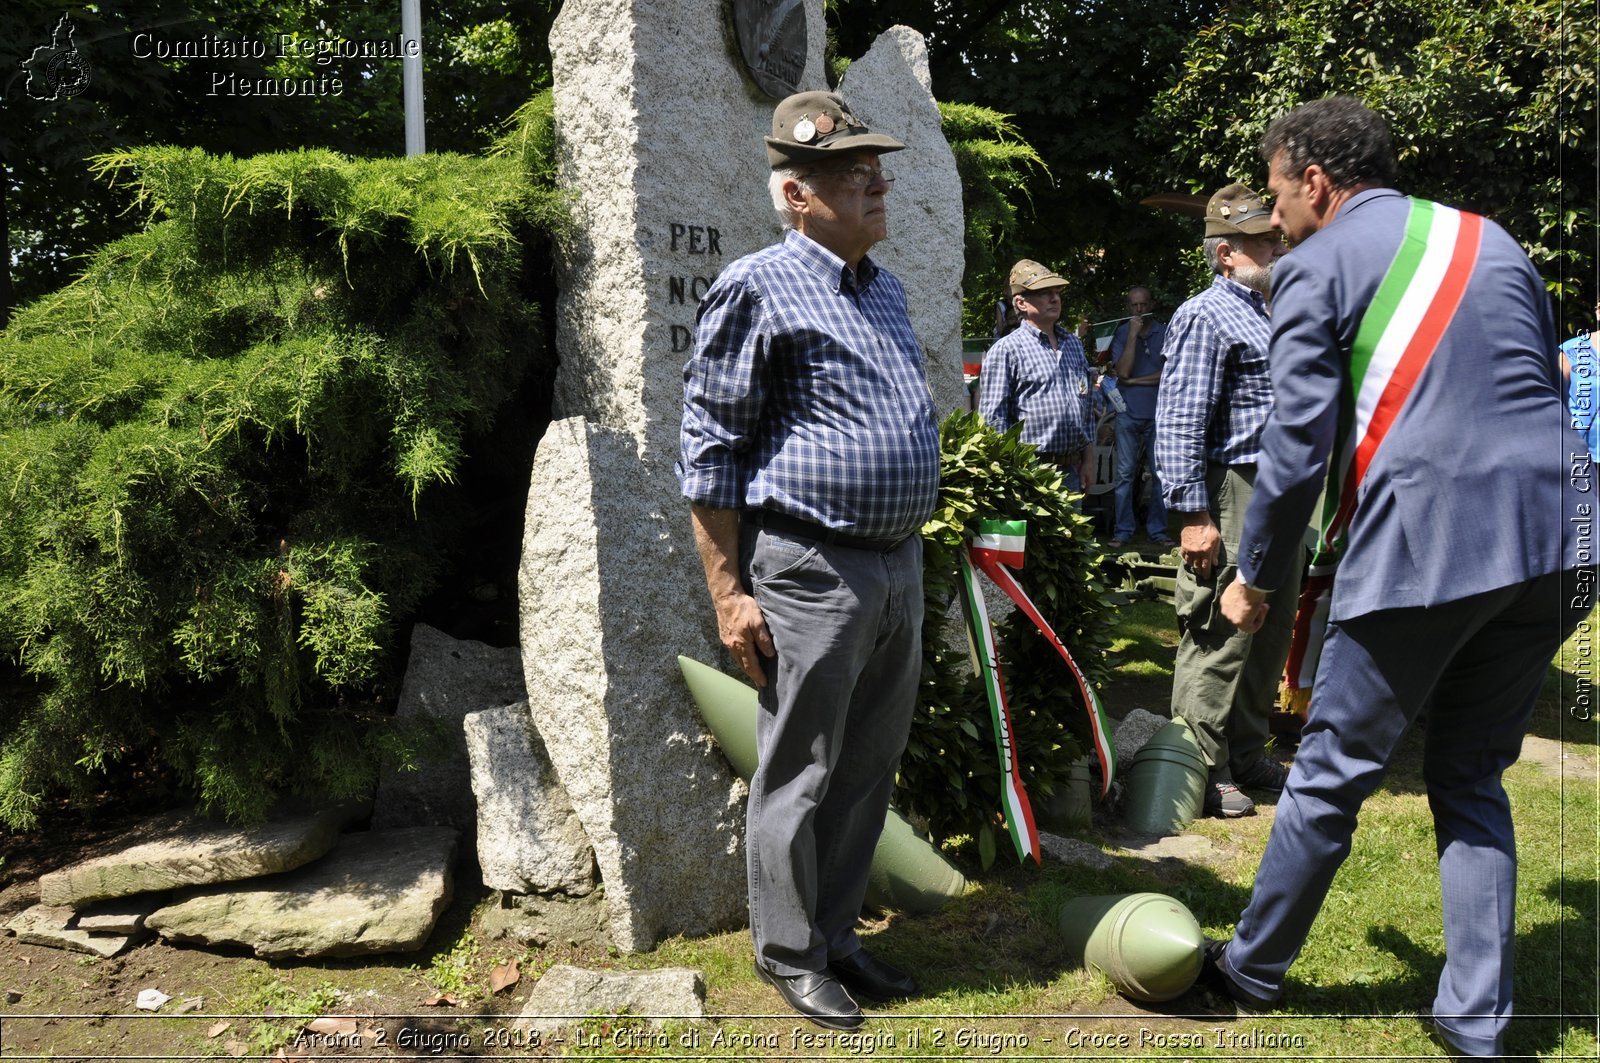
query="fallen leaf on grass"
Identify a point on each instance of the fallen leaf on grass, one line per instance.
(504, 977)
(447, 1000)
(217, 1028)
(328, 1025)
(27, 961)
(236, 1048)
(190, 1004)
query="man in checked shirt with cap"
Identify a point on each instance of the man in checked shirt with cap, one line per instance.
(1038, 374)
(1214, 400)
(810, 458)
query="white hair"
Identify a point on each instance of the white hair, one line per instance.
(1213, 259)
(780, 203)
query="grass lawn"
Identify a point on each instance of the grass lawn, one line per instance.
(997, 983)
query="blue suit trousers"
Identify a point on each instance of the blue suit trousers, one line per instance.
(1476, 665)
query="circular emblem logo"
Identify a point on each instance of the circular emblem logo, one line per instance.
(67, 74)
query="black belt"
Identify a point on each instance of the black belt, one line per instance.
(1071, 457)
(799, 528)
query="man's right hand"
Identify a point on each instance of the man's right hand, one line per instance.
(1200, 543)
(743, 631)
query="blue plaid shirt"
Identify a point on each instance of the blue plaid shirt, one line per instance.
(805, 394)
(1215, 392)
(1049, 390)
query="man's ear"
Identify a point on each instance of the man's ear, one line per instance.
(794, 195)
(1318, 187)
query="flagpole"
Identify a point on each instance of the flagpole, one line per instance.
(411, 74)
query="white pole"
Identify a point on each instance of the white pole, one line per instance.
(411, 74)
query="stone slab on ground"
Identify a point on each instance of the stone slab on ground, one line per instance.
(379, 891)
(197, 853)
(1074, 851)
(446, 678)
(120, 915)
(43, 924)
(537, 922)
(1185, 848)
(566, 995)
(529, 838)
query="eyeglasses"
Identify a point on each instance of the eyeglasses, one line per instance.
(855, 176)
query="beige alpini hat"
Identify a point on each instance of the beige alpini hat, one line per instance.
(1029, 276)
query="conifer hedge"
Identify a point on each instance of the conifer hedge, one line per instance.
(226, 452)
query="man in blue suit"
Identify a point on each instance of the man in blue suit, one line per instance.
(1414, 368)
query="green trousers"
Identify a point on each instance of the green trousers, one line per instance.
(1225, 682)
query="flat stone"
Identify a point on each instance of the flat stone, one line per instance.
(1074, 851)
(446, 678)
(529, 838)
(197, 853)
(566, 995)
(380, 891)
(46, 925)
(120, 915)
(1187, 848)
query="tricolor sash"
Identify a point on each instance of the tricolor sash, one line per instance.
(1000, 543)
(1399, 333)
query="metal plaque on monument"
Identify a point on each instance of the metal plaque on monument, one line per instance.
(772, 39)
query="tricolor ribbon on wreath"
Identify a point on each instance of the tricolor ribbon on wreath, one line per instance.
(1414, 305)
(998, 544)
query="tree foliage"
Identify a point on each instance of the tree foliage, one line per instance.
(229, 453)
(950, 773)
(1075, 80)
(483, 58)
(1493, 107)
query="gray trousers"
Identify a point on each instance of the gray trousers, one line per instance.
(1224, 681)
(833, 720)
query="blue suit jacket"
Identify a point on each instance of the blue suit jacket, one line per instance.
(1472, 488)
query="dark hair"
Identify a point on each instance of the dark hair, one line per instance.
(1344, 136)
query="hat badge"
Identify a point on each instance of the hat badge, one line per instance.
(824, 124)
(805, 130)
(1225, 210)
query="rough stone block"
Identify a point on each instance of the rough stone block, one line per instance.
(566, 995)
(446, 679)
(529, 838)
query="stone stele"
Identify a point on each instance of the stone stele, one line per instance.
(379, 891)
(196, 854)
(529, 839)
(659, 132)
(446, 678)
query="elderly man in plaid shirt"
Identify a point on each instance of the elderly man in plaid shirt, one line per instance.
(810, 457)
(1039, 375)
(1214, 400)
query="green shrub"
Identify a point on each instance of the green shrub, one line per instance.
(228, 454)
(950, 774)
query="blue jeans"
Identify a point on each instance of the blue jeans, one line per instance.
(1136, 438)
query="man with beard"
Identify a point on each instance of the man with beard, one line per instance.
(1397, 323)
(1214, 400)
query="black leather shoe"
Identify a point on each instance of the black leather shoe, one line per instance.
(816, 995)
(865, 975)
(1214, 975)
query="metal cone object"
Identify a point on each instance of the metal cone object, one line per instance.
(1166, 781)
(908, 873)
(1147, 944)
